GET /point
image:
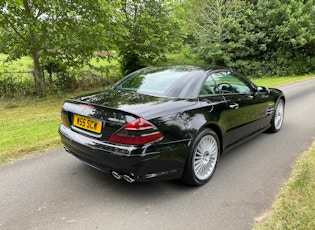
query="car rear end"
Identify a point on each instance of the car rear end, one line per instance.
(119, 142)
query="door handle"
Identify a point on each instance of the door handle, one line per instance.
(234, 106)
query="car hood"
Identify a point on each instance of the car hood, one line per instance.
(142, 105)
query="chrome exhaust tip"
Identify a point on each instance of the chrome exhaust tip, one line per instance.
(116, 175)
(129, 179)
(67, 150)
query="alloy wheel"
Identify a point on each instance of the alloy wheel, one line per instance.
(279, 114)
(205, 157)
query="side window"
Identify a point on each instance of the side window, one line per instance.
(209, 87)
(227, 83)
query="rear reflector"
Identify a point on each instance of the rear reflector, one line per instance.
(64, 122)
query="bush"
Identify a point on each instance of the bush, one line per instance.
(16, 83)
(64, 82)
(16, 77)
(96, 77)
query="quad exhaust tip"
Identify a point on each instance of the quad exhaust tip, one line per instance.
(128, 178)
(116, 175)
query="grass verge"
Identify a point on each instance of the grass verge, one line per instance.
(28, 126)
(294, 207)
(277, 81)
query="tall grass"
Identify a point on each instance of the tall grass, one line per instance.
(23, 64)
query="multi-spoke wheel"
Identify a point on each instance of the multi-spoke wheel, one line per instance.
(202, 158)
(277, 120)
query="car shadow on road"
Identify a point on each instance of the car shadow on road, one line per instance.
(104, 185)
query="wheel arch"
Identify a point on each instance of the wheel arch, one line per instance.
(217, 130)
(282, 97)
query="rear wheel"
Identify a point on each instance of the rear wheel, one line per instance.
(202, 158)
(277, 120)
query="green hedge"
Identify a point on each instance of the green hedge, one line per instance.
(22, 83)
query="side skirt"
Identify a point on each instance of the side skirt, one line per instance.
(230, 147)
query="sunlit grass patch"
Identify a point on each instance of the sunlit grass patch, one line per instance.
(277, 81)
(26, 127)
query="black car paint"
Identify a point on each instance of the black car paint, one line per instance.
(179, 119)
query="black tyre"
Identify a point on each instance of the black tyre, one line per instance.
(278, 116)
(202, 158)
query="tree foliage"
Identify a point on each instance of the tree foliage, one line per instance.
(289, 26)
(56, 31)
(151, 29)
(259, 37)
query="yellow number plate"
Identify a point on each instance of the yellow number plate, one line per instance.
(87, 123)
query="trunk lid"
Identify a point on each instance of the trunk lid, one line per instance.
(114, 109)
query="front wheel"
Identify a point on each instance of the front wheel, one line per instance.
(277, 119)
(202, 159)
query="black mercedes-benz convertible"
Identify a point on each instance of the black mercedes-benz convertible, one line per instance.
(162, 123)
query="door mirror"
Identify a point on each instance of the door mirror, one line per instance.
(263, 90)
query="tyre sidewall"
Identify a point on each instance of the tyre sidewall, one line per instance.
(273, 127)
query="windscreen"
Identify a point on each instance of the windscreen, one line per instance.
(156, 81)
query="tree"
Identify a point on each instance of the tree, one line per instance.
(212, 22)
(150, 30)
(257, 37)
(62, 31)
(226, 34)
(289, 26)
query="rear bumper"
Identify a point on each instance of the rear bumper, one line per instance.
(160, 161)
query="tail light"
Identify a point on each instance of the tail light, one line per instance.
(64, 120)
(137, 132)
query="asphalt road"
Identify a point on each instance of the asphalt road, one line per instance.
(57, 191)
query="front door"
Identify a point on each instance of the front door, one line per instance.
(245, 109)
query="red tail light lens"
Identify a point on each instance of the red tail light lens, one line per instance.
(137, 132)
